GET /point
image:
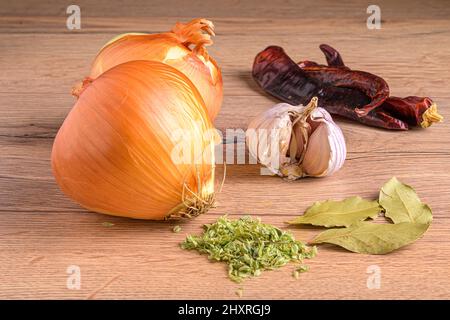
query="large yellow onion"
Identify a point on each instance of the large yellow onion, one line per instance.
(183, 48)
(138, 143)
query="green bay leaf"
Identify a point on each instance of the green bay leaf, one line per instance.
(402, 204)
(373, 238)
(339, 213)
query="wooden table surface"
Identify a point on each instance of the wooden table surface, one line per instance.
(42, 232)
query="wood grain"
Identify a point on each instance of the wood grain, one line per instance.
(409, 9)
(42, 232)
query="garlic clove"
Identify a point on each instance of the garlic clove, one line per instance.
(298, 139)
(318, 153)
(326, 149)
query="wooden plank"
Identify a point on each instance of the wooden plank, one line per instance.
(42, 72)
(29, 170)
(144, 261)
(323, 9)
(20, 24)
(26, 121)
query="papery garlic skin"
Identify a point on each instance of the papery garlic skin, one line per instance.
(268, 136)
(320, 149)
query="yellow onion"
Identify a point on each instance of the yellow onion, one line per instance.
(183, 48)
(138, 143)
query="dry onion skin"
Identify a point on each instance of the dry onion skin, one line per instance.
(183, 48)
(114, 152)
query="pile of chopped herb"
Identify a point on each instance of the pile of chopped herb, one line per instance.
(248, 246)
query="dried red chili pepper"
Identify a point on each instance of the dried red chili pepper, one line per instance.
(415, 111)
(356, 95)
(371, 85)
(337, 105)
(412, 110)
(332, 56)
(278, 75)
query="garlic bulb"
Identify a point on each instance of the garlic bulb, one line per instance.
(297, 141)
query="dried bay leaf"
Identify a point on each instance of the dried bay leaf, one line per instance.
(339, 213)
(402, 204)
(410, 216)
(373, 238)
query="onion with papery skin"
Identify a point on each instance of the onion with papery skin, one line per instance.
(297, 141)
(183, 48)
(138, 143)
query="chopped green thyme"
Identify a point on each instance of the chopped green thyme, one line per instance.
(302, 268)
(107, 224)
(176, 229)
(248, 246)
